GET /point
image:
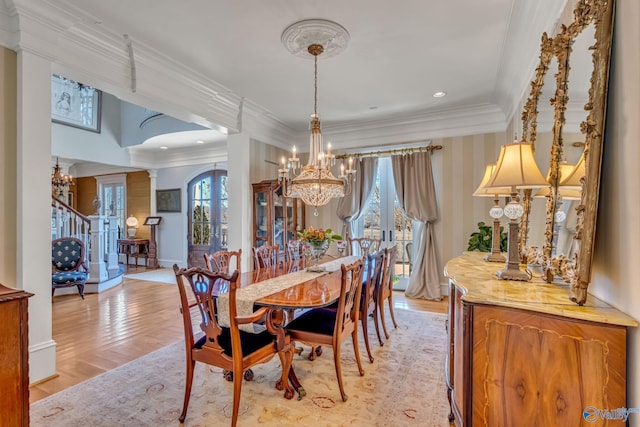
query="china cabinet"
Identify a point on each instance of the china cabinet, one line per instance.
(520, 353)
(14, 357)
(276, 219)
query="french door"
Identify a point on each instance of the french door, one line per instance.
(208, 204)
(383, 219)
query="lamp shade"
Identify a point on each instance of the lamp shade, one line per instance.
(516, 168)
(566, 193)
(572, 180)
(132, 222)
(483, 192)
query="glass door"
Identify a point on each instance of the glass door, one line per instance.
(208, 203)
(383, 219)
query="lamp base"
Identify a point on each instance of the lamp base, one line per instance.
(511, 274)
(493, 257)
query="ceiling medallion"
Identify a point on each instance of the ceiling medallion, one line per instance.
(332, 36)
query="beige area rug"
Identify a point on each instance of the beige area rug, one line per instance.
(164, 275)
(404, 386)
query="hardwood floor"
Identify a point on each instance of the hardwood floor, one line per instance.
(114, 327)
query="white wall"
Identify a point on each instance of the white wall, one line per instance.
(615, 272)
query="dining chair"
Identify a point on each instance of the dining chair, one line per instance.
(363, 245)
(220, 261)
(325, 326)
(266, 256)
(368, 303)
(228, 348)
(386, 287)
(68, 267)
(293, 250)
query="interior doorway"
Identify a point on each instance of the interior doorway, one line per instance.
(208, 205)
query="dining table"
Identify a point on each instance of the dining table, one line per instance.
(283, 288)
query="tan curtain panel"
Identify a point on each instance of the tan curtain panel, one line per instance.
(413, 178)
(351, 207)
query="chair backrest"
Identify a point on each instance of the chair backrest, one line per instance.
(363, 245)
(293, 250)
(205, 285)
(221, 260)
(391, 255)
(375, 264)
(265, 256)
(67, 254)
(349, 301)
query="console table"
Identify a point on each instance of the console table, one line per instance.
(522, 353)
(136, 248)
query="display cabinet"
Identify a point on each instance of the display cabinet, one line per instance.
(276, 219)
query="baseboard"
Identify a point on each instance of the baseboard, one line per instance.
(42, 361)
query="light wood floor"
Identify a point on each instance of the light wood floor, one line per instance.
(137, 317)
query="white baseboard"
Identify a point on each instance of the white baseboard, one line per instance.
(42, 361)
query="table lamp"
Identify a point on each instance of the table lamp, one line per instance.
(495, 212)
(516, 169)
(132, 226)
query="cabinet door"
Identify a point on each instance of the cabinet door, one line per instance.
(279, 219)
(261, 217)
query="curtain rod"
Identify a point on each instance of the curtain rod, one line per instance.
(390, 152)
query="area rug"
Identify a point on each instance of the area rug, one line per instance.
(405, 386)
(163, 275)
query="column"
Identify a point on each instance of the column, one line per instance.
(239, 190)
(153, 184)
(112, 249)
(97, 267)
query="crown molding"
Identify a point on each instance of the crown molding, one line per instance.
(214, 153)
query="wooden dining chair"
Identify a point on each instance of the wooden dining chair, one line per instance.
(228, 348)
(368, 303)
(329, 327)
(363, 245)
(386, 287)
(221, 261)
(266, 256)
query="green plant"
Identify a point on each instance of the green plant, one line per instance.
(481, 240)
(318, 236)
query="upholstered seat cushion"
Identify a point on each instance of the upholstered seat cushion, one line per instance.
(319, 320)
(68, 277)
(250, 342)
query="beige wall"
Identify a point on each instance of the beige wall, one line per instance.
(8, 156)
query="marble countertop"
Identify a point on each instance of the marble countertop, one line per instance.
(479, 284)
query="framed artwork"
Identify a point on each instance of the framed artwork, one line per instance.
(153, 220)
(75, 104)
(168, 200)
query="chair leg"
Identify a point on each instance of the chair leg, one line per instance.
(376, 322)
(336, 362)
(384, 324)
(80, 287)
(365, 332)
(393, 316)
(356, 349)
(187, 389)
(237, 388)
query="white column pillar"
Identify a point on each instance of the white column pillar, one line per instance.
(239, 190)
(112, 249)
(153, 184)
(97, 267)
(33, 211)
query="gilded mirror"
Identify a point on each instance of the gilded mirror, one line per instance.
(585, 44)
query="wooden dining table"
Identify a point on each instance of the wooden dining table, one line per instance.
(284, 288)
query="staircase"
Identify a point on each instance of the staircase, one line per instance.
(99, 234)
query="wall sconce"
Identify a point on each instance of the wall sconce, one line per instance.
(132, 226)
(495, 212)
(516, 169)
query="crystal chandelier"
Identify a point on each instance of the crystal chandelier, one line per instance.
(59, 180)
(315, 184)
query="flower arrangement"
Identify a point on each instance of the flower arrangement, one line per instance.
(318, 237)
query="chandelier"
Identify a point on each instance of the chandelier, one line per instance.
(59, 180)
(315, 184)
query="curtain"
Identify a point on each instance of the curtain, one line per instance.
(416, 193)
(351, 207)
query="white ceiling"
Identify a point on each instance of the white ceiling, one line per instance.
(400, 53)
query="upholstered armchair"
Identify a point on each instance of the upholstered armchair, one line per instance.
(68, 267)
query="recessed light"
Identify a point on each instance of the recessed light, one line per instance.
(439, 94)
(375, 107)
(199, 141)
(164, 147)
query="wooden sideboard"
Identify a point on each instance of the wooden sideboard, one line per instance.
(522, 353)
(14, 357)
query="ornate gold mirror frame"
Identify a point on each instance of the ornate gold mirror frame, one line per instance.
(577, 270)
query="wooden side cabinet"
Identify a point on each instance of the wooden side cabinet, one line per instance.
(521, 356)
(14, 357)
